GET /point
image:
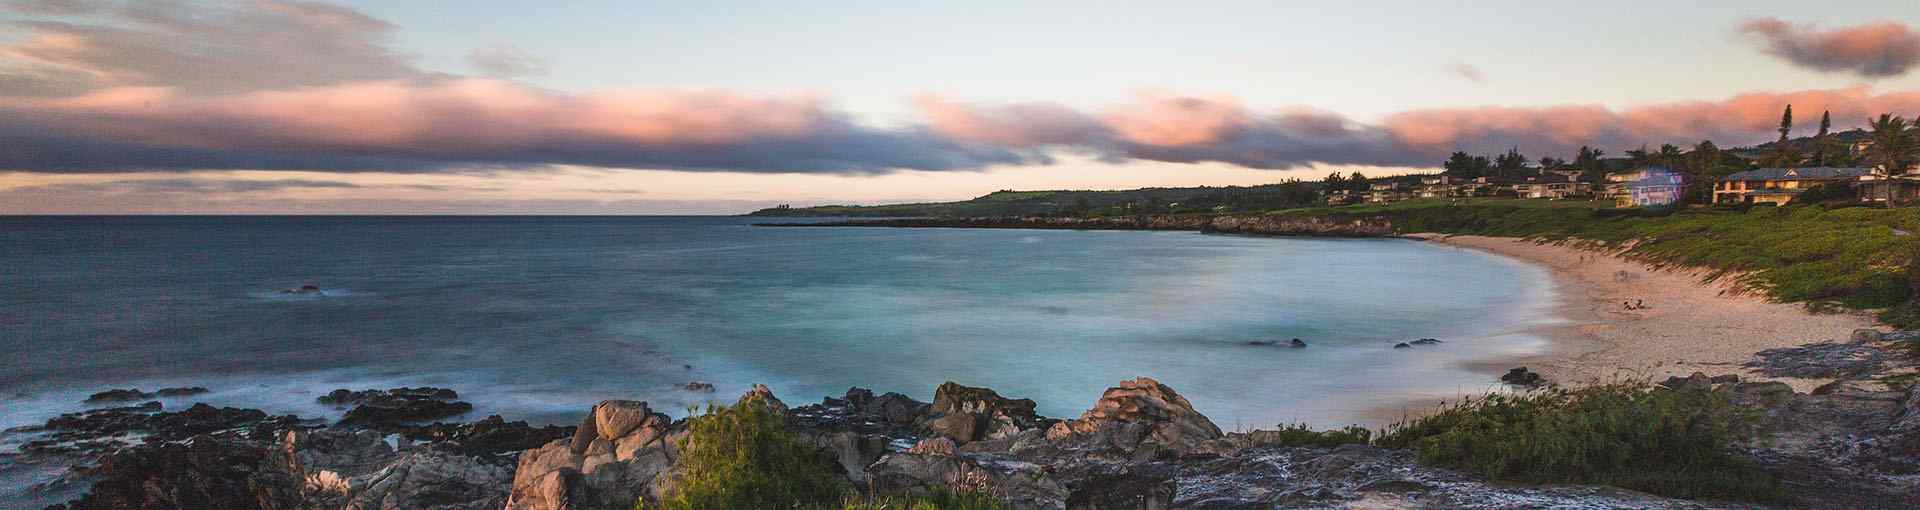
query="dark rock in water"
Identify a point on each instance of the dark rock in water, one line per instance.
(134, 395)
(1821, 360)
(395, 409)
(118, 396)
(1297, 343)
(180, 392)
(304, 289)
(697, 386)
(1425, 341)
(1263, 343)
(489, 437)
(203, 472)
(1402, 345)
(1520, 376)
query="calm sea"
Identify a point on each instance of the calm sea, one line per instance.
(537, 317)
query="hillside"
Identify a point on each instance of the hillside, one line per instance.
(1084, 202)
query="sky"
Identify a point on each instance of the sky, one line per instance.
(603, 107)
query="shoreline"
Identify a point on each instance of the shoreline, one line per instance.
(1687, 325)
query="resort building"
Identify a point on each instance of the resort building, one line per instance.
(1779, 185)
(1553, 186)
(1484, 187)
(1646, 187)
(1388, 191)
(1439, 186)
(1900, 189)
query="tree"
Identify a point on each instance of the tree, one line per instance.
(1639, 157)
(1511, 164)
(1464, 166)
(1550, 163)
(1825, 152)
(1893, 146)
(1669, 156)
(1784, 154)
(1358, 183)
(1587, 160)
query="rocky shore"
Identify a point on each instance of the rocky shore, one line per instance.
(1853, 443)
(1323, 226)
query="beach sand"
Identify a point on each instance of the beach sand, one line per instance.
(1687, 326)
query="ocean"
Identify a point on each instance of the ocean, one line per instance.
(536, 318)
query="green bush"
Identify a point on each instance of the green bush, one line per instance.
(1299, 435)
(1632, 435)
(744, 457)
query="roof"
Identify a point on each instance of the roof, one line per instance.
(1816, 172)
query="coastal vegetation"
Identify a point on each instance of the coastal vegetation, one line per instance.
(1827, 257)
(744, 456)
(1670, 442)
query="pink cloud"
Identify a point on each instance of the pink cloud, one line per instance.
(1177, 121)
(1873, 50)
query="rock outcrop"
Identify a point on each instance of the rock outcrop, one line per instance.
(1140, 413)
(395, 409)
(966, 413)
(620, 452)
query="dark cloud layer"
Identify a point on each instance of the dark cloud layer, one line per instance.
(196, 47)
(1872, 50)
(95, 87)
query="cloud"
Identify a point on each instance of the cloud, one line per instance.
(1466, 71)
(1170, 128)
(467, 124)
(1873, 50)
(505, 61)
(197, 48)
(51, 7)
(1743, 119)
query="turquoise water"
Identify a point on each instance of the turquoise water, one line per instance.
(536, 318)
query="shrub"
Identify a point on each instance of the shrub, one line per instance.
(744, 457)
(1633, 435)
(1299, 435)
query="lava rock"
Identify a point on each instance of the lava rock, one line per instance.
(1520, 376)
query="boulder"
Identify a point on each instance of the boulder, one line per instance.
(933, 446)
(698, 386)
(764, 395)
(1696, 382)
(1129, 491)
(1296, 343)
(966, 413)
(1520, 376)
(1865, 335)
(1145, 409)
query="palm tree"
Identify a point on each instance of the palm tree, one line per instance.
(1893, 144)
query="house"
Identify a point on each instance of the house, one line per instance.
(1646, 187)
(1552, 186)
(1880, 188)
(1779, 185)
(1387, 191)
(1439, 186)
(1342, 197)
(1485, 187)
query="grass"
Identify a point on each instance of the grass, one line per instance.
(1631, 435)
(1848, 257)
(1300, 435)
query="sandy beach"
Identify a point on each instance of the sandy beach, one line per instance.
(1686, 326)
